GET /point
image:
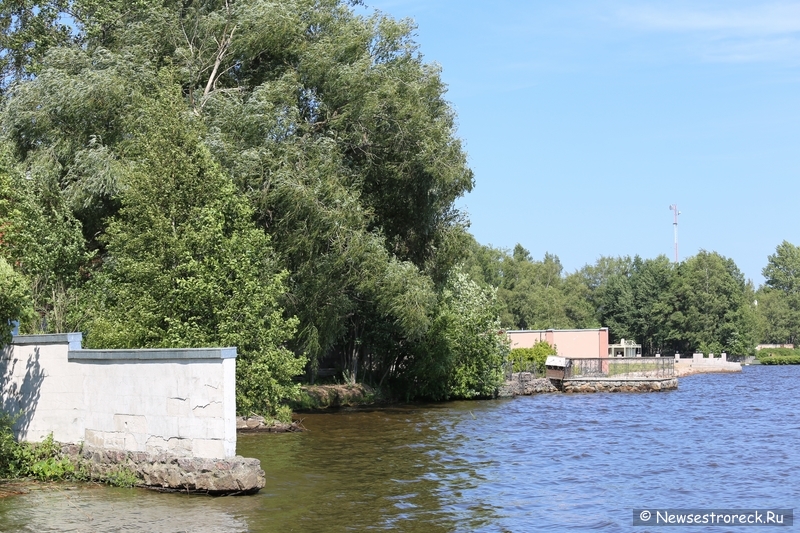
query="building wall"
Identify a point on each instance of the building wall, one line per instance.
(573, 343)
(181, 401)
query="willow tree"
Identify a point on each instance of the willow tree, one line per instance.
(330, 124)
(185, 266)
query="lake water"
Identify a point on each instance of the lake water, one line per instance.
(551, 462)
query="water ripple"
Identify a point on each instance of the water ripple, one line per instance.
(551, 462)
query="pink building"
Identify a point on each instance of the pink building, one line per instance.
(572, 343)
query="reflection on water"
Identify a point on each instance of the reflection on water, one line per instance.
(550, 462)
(384, 469)
(88, 508)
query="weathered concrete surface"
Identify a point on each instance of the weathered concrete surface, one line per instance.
(611, 385)
(525, 384)
(181, 401)
(162, 471)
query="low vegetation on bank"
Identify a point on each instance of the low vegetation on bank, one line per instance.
(44, 461)
(778, 356)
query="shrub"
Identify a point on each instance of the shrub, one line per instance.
(42, 461)
(532, 359)
(779, 356)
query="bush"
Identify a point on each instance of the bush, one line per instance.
(42, 461)
(531, 359)
(780, 360)
(462, 354)
(778, 356)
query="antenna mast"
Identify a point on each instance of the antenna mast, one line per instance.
(674, 209)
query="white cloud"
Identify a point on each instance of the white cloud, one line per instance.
(768, 19)
(757, 33)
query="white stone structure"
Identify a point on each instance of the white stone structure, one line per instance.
(700, 364)
(180, 401)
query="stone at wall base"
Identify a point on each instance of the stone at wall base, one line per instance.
(610, 385)
(166, 472)
(525, 384)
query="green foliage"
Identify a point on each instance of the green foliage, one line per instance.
(15, 300)
(782, 272)
(713, 306)
(778, 301)
(120, 476)
(464, 349)
(30, 29)
(633, 298)
(186, 267)
(334, 133)
(9, 448)
(282, 177)
(532, 359)
(779, 356)
(41, 238)
(531, 294)
(780, 360)
(42, 461)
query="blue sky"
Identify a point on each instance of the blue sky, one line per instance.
(585, 120)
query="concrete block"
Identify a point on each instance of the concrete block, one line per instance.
(180, 446)
(178, 406)
(211, 409)
(126, 400)
(209, 448)
(94, 438)
(130, 423)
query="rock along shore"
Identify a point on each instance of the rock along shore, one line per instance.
(611, 385)
(166, 472)
(525, 384)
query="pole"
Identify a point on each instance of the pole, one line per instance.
(674, 209)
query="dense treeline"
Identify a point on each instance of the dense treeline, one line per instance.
(701, 304)
(281, 176)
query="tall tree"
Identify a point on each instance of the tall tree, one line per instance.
(329, 123)
(185, 265)
(779, 298)
(713, 306)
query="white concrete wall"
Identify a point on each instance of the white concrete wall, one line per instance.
(181, 401)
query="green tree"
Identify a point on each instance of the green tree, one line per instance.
(779, 322)
(713, 306)
(41, 238)
(329, 124)
(779, 298)
(782, 272)
(15, 301)
(651, 287)
(463, 353)
(532, 359)
(185, 266)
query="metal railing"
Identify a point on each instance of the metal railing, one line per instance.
(632, 368)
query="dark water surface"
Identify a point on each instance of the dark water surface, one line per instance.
(543, 463)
